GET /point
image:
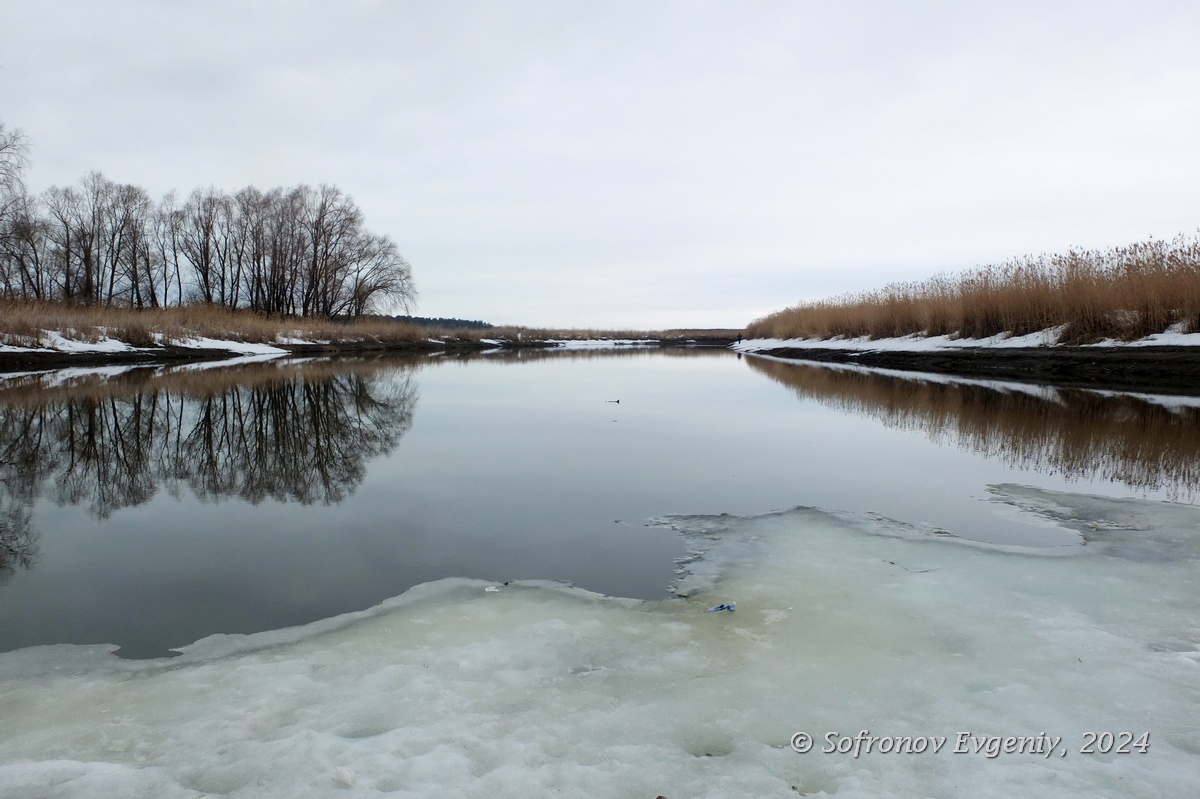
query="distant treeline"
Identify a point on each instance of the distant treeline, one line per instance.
(296, 251)
(438, 321)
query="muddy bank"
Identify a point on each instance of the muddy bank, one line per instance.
(1146, 369)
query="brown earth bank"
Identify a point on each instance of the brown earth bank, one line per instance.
(1174, 370)
(53, 359)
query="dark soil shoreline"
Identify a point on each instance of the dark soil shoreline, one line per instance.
(1174, 370)
(53, 359)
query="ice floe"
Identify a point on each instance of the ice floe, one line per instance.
(540, 689)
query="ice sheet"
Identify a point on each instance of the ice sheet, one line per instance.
(468, 688)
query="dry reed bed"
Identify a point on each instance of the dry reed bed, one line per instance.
(1121, 293)
(26, 323)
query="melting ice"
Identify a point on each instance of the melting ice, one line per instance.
(468, 688)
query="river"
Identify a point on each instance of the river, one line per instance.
(488, 576)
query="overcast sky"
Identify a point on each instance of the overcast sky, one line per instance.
(639, 164)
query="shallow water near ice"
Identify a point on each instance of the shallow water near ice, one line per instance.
(889, 575)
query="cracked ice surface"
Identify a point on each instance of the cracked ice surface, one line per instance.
(843, 623)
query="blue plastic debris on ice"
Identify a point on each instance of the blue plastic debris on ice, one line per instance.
(729, 606)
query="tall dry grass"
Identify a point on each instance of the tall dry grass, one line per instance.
(24, 323)
(1120, 293)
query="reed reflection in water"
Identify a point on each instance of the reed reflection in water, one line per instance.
(290, 432)
(1143, 443)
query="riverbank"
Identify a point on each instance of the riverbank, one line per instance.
(1168, 362)
(50, 335)
(58, 352)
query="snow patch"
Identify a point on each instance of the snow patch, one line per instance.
(248, 348)
(55, 340)
(916, 343)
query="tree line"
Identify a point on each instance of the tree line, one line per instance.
(294, 251)
(443, 321)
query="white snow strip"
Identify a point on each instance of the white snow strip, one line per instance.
(56, 341)
(14, 348)
(292, 340)
(914, 343)
(1172, 337)
(601, 344)
(248, 348)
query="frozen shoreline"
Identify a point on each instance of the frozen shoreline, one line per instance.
(1165, 362)
(1045, 338)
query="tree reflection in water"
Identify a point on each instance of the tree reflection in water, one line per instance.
(287, 431)
(1080, 434)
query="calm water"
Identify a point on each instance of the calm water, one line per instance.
(151, 508)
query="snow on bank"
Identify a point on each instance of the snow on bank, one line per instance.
(243, 347)
(473, 689)
(913, 343)
(601, 344)
(55, 341)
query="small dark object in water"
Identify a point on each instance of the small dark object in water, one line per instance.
(615, 402)
(729, 606)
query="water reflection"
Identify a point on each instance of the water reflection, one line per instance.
(602, 353)
(18, 546)
(291, 431)
(1143, 443)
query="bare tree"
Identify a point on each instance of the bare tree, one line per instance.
(198, 241)
(24, 257)
(379, 276)
(14, 148)
(135, 259)
(301, 250)
(13, 201)
(168, 224)
(61, 205)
